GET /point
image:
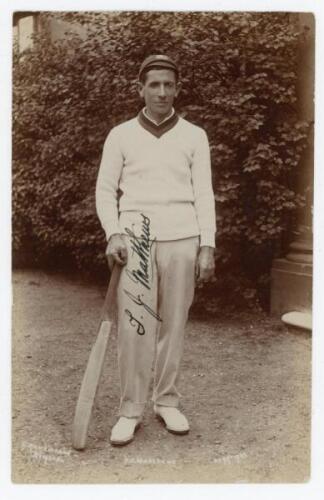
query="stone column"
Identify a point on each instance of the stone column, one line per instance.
(291, 277)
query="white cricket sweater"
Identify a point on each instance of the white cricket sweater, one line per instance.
(162, 172)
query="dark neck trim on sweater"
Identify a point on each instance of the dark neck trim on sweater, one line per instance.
(157, 130)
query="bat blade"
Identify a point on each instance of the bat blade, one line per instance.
(93, 370)
(89, 387)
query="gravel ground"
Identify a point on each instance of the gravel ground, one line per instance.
(245, 386)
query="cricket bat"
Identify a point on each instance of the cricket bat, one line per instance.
(93, 370)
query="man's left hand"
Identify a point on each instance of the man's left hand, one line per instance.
(205, 265)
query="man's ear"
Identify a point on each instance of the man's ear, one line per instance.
(178, 88)
(140, 89)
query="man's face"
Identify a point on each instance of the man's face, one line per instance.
(159, 90)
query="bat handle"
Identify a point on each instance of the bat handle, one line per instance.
(110, 299)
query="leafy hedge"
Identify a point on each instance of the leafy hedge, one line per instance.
(239, 83)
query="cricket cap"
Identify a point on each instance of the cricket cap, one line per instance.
(157, 61)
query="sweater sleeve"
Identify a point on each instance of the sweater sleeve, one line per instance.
(107, 184)
(203, 191)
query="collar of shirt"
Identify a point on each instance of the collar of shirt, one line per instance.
(164, 119)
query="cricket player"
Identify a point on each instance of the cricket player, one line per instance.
(155, 201)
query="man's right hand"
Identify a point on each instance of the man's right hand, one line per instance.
(116, 251)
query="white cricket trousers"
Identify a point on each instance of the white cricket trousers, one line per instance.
(154, 296)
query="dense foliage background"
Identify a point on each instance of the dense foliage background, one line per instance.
(239, 73)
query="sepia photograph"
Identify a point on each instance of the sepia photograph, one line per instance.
(162, 246)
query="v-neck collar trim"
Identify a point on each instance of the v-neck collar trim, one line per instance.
(157, 130)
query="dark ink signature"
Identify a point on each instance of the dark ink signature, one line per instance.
(141, 245)
(140, 328)
(137, 299)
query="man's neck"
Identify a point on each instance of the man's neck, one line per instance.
(156, 120)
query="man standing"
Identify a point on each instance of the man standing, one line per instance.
(162, 230)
